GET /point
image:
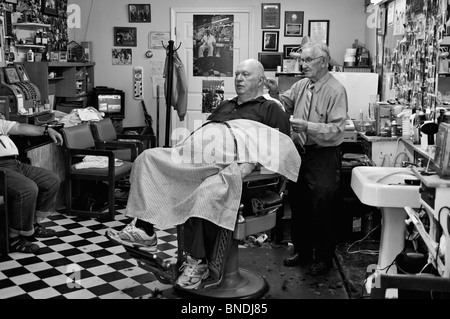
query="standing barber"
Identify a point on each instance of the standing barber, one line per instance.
(31, 190)
(318, 104)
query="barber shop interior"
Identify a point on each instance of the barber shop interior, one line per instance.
(216, 150)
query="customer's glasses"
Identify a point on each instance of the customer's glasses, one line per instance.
(309, 60)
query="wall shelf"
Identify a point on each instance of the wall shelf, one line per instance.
(29, 46)
(31, 25)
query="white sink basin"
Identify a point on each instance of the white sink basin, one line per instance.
(385, 186)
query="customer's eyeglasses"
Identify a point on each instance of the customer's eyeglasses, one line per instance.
(309, 60)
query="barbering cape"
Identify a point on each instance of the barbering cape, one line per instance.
(200, 177)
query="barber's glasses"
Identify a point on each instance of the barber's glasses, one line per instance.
(309, 60)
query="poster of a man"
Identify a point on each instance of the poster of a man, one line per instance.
(213, 45)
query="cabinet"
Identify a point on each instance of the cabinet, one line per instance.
(64, 80)
(384, 151)
(434, 195)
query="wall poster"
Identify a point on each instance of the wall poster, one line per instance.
(213, 45)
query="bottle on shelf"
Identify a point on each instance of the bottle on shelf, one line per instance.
(38, 38)
(30, 56)
(44, 38)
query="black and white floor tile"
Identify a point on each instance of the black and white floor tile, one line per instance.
(82, 263)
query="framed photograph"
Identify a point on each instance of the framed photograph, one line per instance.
(270, 15)
(318, 31)
(139, 13)
(49, 7)
(293, 23)
(63, 56)
(122, 56)
(270, 60)
(125, 37)
(287, 48)
(270, 40)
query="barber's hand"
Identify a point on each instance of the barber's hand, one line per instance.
(55, 136)
(298, 125)
(272, 85)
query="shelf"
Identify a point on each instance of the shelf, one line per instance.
(29, 46)
(57, 78)
(31, 25)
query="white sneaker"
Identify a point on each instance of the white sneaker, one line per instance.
(132, 236)
(193, 273)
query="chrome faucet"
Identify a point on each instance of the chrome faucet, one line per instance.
(418, 164)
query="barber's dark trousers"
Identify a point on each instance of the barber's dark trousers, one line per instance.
(313, 202)
(31, 191)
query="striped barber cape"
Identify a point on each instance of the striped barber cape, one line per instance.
(200, 177)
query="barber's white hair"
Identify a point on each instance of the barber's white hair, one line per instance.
(319, 48)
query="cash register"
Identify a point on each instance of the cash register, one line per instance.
(20, 99)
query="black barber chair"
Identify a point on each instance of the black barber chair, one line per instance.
(261, 199)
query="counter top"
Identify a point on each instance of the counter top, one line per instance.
(428, 154)
(433, 181)
(378, 138)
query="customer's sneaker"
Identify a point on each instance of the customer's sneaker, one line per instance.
(132, 236)
(193, 273)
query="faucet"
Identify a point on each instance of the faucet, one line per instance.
(418, 164)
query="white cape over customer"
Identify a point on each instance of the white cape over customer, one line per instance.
(200, 177)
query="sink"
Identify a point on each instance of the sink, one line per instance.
(386, 186)
(390, 189)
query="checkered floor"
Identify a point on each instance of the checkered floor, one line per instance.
(82, 263)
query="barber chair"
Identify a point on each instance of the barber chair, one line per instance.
(227, 280)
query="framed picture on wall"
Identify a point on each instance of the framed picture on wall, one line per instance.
(318, 31)
(125, 37)
(270, 16)
(139, 13)
(270, 60)
(49, 7)
(293, 24)
(287, 48)
(270, 40)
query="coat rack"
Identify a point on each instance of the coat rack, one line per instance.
(170, 51)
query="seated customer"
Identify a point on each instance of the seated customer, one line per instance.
(166, 189)
(31, 190)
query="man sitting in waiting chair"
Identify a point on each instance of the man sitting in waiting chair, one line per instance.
(31, 190)
(199, 182)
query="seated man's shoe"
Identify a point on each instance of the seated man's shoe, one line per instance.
(319, 268)
(41, 232)
(21, 244)
(296, 259)
(193, 273)
(133, 236)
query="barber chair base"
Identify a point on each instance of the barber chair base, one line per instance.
(242, 284)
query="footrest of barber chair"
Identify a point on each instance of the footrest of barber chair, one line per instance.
(165, 272)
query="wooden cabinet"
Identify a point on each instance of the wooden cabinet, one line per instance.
(64, 80)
